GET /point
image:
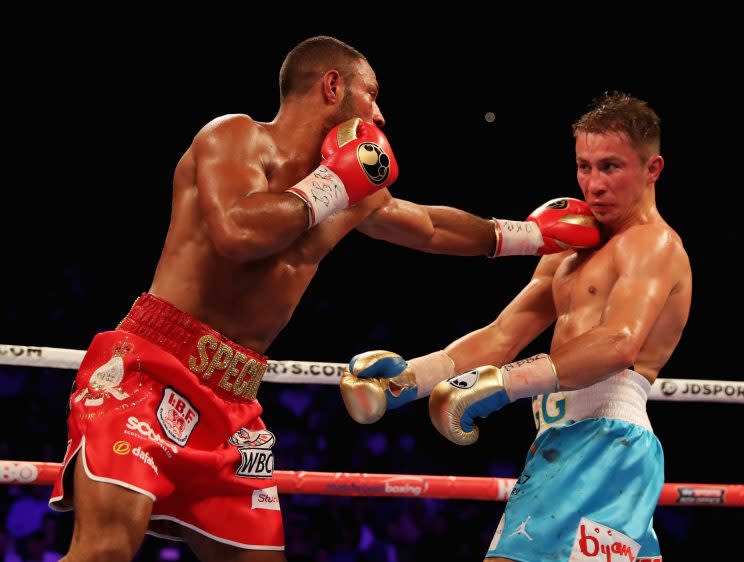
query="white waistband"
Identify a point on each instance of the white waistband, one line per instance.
(621, 396)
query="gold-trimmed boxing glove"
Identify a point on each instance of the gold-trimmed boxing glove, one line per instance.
(455, 403)
(378, 381)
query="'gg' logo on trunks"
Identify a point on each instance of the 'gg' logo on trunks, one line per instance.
(241, 381)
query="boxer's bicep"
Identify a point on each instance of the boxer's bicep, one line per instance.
(646, 263)
(529, 314)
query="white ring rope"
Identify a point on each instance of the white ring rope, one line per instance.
(302, 372)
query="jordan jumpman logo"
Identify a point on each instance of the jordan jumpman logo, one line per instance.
(521, 529)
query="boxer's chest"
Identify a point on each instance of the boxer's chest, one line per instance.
(584, 281)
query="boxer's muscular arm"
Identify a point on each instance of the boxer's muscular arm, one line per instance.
(245, 221)
(525, 317)
(438, 230)
(556, 225)
(649, 262)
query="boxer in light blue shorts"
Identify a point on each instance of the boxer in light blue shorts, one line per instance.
(591, 481)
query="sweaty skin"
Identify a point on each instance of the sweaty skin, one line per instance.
(622, 304)
(251, 300)
(238, 255)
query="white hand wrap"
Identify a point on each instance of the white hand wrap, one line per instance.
(429, 370)
(516, 238)
(530, 377)
(323, 192)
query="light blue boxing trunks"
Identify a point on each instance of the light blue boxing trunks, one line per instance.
(591, 481)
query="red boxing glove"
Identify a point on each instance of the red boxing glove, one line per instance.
(565, 223)
(362, 157)
(560, 224)
(358, 162)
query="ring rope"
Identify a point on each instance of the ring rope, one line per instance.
(315, 372)
(402, 485)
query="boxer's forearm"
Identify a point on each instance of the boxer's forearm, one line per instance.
(437, 230)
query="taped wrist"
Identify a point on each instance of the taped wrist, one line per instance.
(530, 377)
(428, 370)
(516, 238)
(323, 192)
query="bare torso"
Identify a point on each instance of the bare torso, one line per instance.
(248, 302)
(581, 288)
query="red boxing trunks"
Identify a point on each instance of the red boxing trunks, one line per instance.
(166, 406)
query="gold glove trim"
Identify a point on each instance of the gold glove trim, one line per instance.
(581, 220)
(347, 131)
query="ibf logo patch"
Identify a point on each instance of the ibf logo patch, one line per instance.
(256, 457)
(177, 416)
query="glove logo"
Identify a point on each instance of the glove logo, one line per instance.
(557, 204)
(465, 380)
(374, 162)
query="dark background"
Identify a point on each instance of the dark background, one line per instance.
(96, 121)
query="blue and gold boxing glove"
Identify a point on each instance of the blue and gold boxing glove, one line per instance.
(455, 403)
(378, 381)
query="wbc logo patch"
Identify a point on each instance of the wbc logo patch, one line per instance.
(257, 459)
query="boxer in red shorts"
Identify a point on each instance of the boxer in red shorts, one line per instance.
(153, 402)
(164, 429)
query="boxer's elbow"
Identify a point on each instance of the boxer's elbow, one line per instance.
(624, 346)
(240, 245)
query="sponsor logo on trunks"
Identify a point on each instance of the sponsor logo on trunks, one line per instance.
(548, 408)
(594, 541)
(15, 471)
(240, 375)
(144, 431)
(522, 529)
(105, 383)
(122, 447)
(255, 463)
(706, 496)
(257, 460)
(265, 498)
(406, 486)
(177, 416)
(516, 490)
(261, 438)
(145, 458)
(465, 380)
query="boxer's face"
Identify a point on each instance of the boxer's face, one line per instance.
(360, 95)
(610, 173)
